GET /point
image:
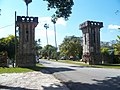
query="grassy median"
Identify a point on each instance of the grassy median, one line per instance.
(38, 67)
(96, 66)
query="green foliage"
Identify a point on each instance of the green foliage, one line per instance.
(8, 44)
(48, 51)
(3, 53)
(14, 70)
(38, 46)
(71, 46)
(117, 46)
(86, 65)
(106, 47)
(38, 67)
(105, 51)
(63, 7)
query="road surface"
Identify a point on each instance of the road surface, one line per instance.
(84, 78)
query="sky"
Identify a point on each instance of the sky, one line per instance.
(106, 11)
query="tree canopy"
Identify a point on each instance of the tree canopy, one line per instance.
(38, 46)
(63, 8)
(117, 46)
(48, 51)
(71, 46)
(8, 44)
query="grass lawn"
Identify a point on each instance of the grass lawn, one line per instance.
(96, 66)
(117, 66)
(20, 70)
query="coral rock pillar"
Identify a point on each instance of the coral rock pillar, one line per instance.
(91, 41)
(26, 48)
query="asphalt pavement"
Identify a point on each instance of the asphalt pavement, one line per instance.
(83, 78)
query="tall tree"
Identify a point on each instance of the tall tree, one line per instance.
(71, 46)
(63, 7)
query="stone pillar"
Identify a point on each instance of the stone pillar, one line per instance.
(91, 41)
(26, 48)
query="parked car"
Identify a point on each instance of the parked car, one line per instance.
(37, 59)
(73, 58)
(64, 58)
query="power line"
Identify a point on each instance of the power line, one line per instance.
(7, 26)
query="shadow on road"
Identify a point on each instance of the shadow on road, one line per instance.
(51, 87)
(12, 88)
(50, 70)
(112, 83)
(36, 68)
(55, 87)
(81, 66)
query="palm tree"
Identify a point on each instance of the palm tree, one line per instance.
(27, 2)
(46, 26)
(54, 19)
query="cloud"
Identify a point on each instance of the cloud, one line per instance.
(43, 20)
(61, 21)
(41, 34)
(40, 31)
(4, 32)
(113, 26)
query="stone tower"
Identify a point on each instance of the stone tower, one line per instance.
(91, 41)
(26, 48)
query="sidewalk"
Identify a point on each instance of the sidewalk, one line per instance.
(30, 80)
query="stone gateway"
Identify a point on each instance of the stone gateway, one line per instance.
(26, 48)
(91, 41)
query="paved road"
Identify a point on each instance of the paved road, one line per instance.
(84, 78)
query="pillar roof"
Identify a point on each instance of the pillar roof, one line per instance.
(91, 24)
(27, 20)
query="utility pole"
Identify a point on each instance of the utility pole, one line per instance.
(15, 41)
